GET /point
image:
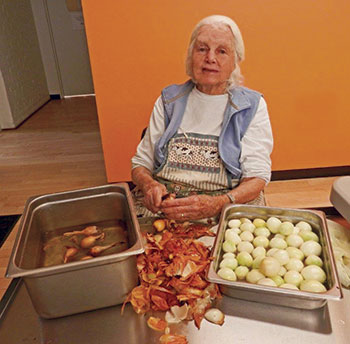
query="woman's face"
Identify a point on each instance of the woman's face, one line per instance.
(213, 58)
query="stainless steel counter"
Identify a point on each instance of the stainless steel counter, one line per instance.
(245, 322)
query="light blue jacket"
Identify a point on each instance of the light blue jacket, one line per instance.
(239, 112)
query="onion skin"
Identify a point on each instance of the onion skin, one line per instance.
(215, 316)
(157, 324)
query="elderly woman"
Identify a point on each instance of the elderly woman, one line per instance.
(209, 140)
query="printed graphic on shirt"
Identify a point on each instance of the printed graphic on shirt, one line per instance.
(195, 154)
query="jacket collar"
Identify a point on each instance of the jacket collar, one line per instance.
(237, 98)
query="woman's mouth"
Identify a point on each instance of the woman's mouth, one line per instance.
(209, 70)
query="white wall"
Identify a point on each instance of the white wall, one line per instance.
(5, 110)
(71, 49)
(63, 47)
(46, 44)
(23, 80)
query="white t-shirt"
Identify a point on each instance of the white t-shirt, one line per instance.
(204, 115)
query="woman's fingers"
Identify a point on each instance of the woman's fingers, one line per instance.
(153, 196)
(193, 207)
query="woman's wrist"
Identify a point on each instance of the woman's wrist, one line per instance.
(222, 200)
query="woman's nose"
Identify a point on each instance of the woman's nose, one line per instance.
(211, 57)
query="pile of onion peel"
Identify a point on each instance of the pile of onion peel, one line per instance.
(172, 278)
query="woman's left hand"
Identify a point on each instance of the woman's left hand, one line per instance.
(193, 207)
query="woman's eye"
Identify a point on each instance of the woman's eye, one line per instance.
(222, 51)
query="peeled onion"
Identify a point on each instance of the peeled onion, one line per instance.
(229, 263)
(259, 251)
(244, 259)
(313, 272)
(262, 231)
(278, 280)
(245, 220)
(282, 256)
(269, 266)
(228, 255)
(273, 223)
(227, 274)
(236, 230)
(282, 271)
(246, 236)
(308, 235)
(253, 276)
(261, 241)
(278, 243)
(304, 225)
(271, 252)
(314, 260)
(247, 226)
(294, 240)
(294, 264)
(286, 228)
(257, 262)
(293, 277)
(259, 222)
(215, 316)
(289, 286)
(241, 272)
(294, 252)
(312, 286)
(311, 247)
(228, 246)
(234, 223)
(267, 281)
(245, 246)
(230, 235)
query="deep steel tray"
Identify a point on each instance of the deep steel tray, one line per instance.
(79, 286)
(274, 295)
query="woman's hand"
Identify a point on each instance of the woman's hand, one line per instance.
(204, 206)
(193, 207)
(151, 189)
(153, 192)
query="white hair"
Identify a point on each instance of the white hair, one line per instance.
(218, 20)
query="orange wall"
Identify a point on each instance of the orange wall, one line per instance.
(297, 55)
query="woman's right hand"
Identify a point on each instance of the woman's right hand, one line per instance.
(153, 192)
(151, 189)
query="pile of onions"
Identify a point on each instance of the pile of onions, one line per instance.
(273, 253)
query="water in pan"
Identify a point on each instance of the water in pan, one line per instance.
(83, 242)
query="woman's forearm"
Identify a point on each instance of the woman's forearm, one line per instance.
(247, 190)
(142, 177)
